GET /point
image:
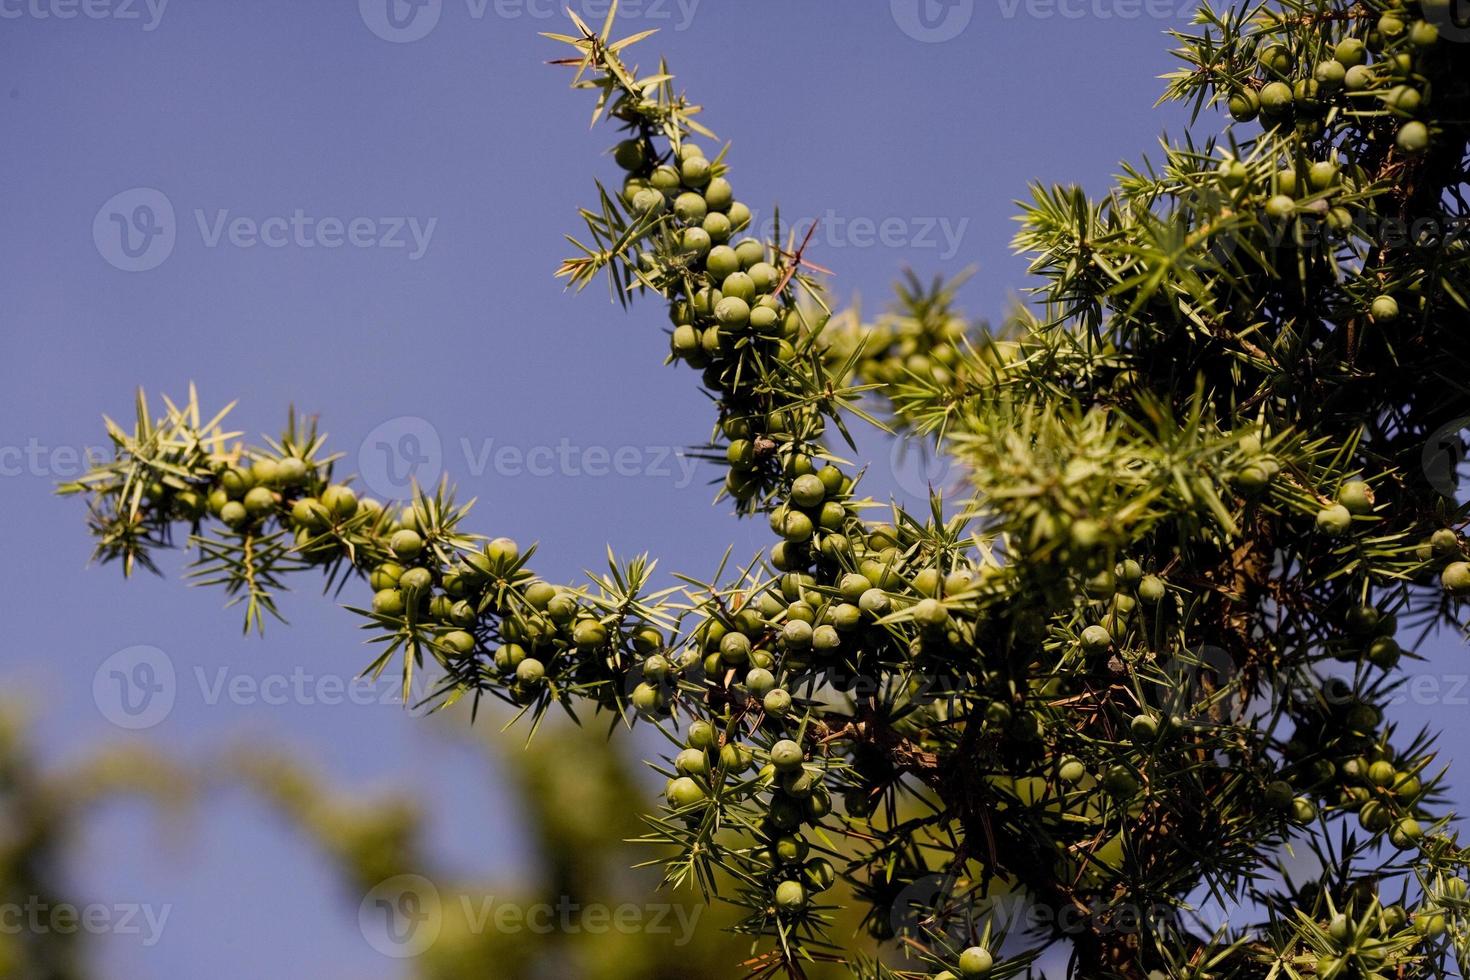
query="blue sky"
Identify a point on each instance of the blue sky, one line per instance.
(365, 216)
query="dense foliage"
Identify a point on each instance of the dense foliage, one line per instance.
(46, 930)
(1141, 668)
(377, 844)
